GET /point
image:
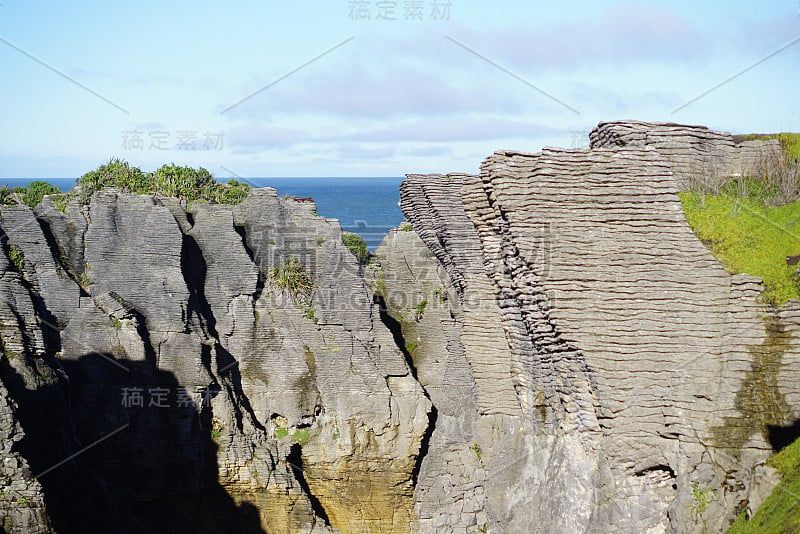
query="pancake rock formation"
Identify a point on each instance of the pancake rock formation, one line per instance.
(547, 347)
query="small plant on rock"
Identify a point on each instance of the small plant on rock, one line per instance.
(420, 310)
(6, 197)
(292, 279)
(17, 257)
(357, 246)
(477, 450)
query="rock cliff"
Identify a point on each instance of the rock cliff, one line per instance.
(547, 348)
(642, 385)
(195, 389)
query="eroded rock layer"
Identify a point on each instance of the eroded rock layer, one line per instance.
(548, 348)
(695, 153)
(649, 382)
(210, 369)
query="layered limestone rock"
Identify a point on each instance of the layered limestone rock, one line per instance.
(695, 153)
(648, 382)
(200, 388)
(549, 349)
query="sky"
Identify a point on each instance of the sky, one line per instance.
(374, 88)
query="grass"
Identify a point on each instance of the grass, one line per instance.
(216, 429)
(17, 257)
(780, 512)
(477, 450)
(440, 295)
(169, 180)
(749, 237)
(6, 196)
(701, 499)
(35, 192)
(406, 227)
(30, 195)
(291, 278)
(309, 313)
(380, 282)
(420, 310)
(357, 246)
(302, 437)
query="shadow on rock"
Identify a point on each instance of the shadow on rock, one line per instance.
(134, 455)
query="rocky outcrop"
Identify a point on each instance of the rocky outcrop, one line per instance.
(647, 382)
(198, 390)
(695, 153)
(548, 348)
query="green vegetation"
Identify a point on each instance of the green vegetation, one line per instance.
(35, 192)
(406, 227)
(6, 197)
(380, 282)
(291, 278)
(440, 295)
(749, 237)
(308, 313)
(477, 450)
(6, 351)
(411, 347)
(750, 223)
(301, 437)
(420, 310)
(31, 195)
(778, 514)
(62, 201)
(169, 180)
(701, 499)
(216, 429)
(357, 246)
(17, 257)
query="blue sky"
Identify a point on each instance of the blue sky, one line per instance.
(436, 92)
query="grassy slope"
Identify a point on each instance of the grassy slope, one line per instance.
(749, 237)
(780, 513)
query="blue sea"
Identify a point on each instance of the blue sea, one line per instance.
(366, 206)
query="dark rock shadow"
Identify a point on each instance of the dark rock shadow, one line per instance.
(143, 461)
(781, 437)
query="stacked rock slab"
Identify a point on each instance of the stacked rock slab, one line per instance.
(220, 399)
(695, 153)
(22, 506)
(450, 493)
(632, 352)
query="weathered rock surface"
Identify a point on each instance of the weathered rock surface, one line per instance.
(549, 350)
(694, 152)
(198, 394)
(647, 379)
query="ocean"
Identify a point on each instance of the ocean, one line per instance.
(365, 206)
